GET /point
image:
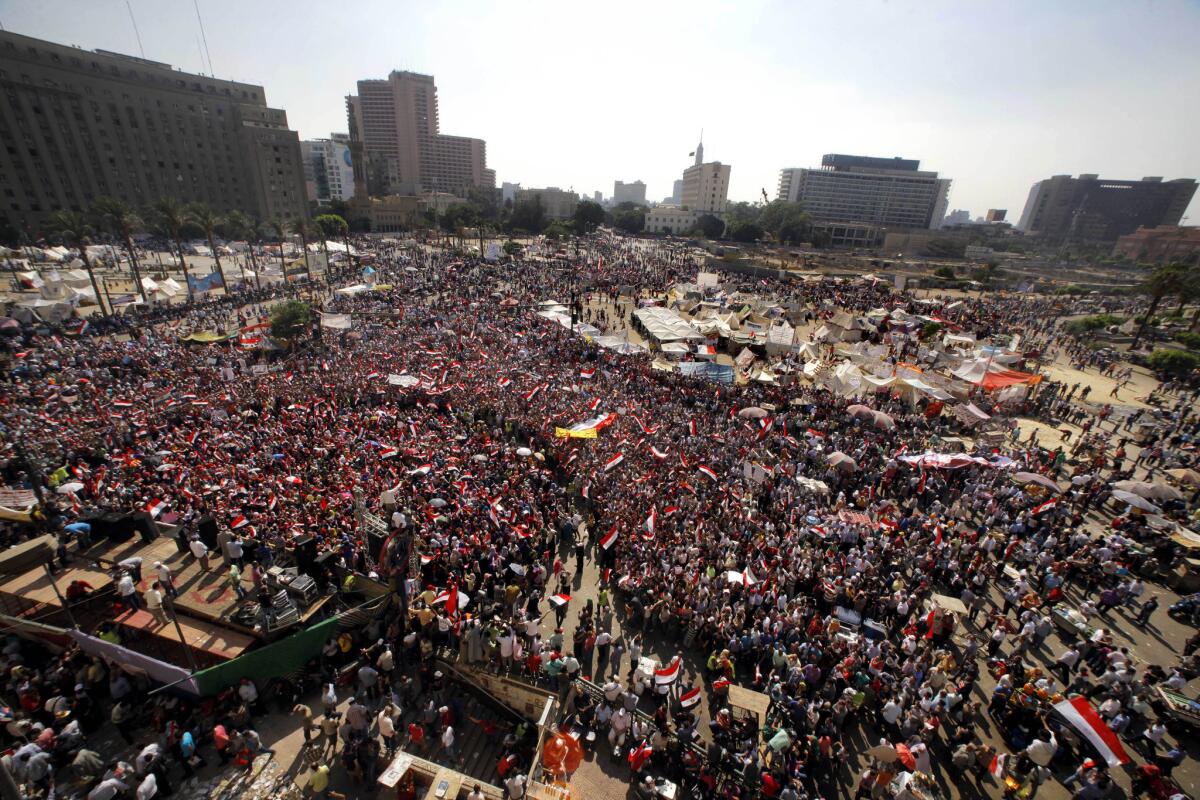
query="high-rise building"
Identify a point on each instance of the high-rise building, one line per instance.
(328, 168)
(677, 192)
(556, 203)
(398, 146)
(508, 191)
(629, 193)
(597, 197)
(79, 125)
(888, 192)
(996, 215)
(959, 216)
(1088, 208)
(705, 187)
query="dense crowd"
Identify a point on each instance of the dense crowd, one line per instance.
(757, 535)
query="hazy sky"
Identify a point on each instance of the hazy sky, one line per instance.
(991, 95)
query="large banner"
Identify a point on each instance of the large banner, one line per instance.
(210, 281)
(158, 670)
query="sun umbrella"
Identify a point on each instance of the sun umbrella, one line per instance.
(883, 752)
(859, 410)
(1041, 480)
(69, 488)
(1185, 476)
(1150, 491)
(1135, 501)
(883, 421)
(437, 502)
(524, 452)
(1080, 480)
(752, 412)
(906, 757)
(517, 568)
(842, 461)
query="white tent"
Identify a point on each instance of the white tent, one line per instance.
(664, 325)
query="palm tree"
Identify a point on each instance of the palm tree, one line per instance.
(169, 217)
(278, 227)
(203, 217)
(301, 228)
(237, 226)
(121, 221)
(75, 229)
(333, 225)
(1158, 284)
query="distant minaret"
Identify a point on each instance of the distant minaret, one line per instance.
(700, 149)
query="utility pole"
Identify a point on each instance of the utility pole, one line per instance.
(187, 650)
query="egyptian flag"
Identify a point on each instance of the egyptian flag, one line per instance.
(560, 600)
(997, 766)
(639, 755)
(921, 484)
(669, 510)
(122, 403)
(692, 429)
(586, 491)
(1046, 506)
(388, 452)
(659, 454)
(293, 480)
(271, 503)
(592, 406)
(652, 520)
(613, 462)
(452, 600)
(766, 428)
(929, 624)
(239, 521)
(720, 683)
(1079, 712)
(703, 468)
(155, 507)
(421, 470)
(888, 524)
(587, 372)
(690, 698)
(670, 673)
(937, 535)
(610, 537)
(503, 382)
(191, 440)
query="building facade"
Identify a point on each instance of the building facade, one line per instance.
(629, 193)
(79, 125)
(665, 219)
(706, 188)
(397, 144)
(1089, 209)
(328, 169)
(996, 215)
(886, 192)
(1160, 245)
(556, 203)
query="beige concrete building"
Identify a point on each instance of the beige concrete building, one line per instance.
(398, 146)
(706, 187)
(668, 219)
(79, 125)
(629, 193)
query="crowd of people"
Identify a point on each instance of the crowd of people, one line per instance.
(750, 535)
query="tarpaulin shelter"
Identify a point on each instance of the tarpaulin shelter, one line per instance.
(985, 374)
(664, 325)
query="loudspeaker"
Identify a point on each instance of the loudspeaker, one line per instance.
(206, 526)
(306, 553)
(144, 524)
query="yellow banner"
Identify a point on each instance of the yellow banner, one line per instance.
(566, 433)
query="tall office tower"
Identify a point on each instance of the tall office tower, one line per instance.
(1088, 208)
(889, 192)
(398, 147)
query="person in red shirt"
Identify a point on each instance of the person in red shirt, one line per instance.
(416, 735)
(770, 786)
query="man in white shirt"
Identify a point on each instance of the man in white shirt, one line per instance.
(200, 552)
(387, 729)
(516, 786)
(128, 592)
(448, 742)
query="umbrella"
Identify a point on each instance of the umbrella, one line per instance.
(882, 420)
(1150, 491)
(1041, 480)
(859, 410)
(69, 488)
(1185, 476)
(1134, 500)
(437, 502)
(9, 327)
(524, 452)
(883, 752)
(906, 757)
(752, 412)
(815, 486)
(517, 568)
(1080, 480)
(479, 457)
(842, 461)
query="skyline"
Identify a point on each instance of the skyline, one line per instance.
(994, 104)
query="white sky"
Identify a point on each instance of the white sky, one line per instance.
(992, 95)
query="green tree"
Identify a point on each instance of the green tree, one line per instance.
(333, 226)
(122, 222)
(629, 217)
(238, 225)
(485, 203)
(168, 218)
(207, 220)
(588, 216)
(290, 320)
(1176, 362)
(528, 214)
(301, 227)
(1188, 339)
(741, 212)
(944, 272)
(786, 221)
(75, 230)
(279, 228)
(558, 230)
(711, 227)
(511, 248)
(1158, 284)
(745, 232)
